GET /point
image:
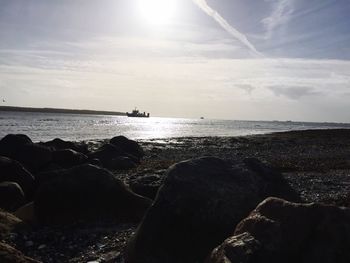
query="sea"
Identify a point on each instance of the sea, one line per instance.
(79, 127)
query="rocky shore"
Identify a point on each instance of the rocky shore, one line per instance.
(280, 197)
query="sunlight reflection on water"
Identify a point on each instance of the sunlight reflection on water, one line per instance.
(47, 126)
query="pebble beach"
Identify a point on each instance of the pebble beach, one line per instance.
(314, 163)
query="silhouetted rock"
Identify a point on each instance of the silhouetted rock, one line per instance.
(146, 185)
(34, 156)
(11, 196)
(289, 232)
(129, 146)
(13, 171)
(106, 153)
(59, 144)
(11, 143)
(9, 254)
(113, 157)
(86, 193)
(68, 158)
(122, 163)
(20, 148)
(197, 207)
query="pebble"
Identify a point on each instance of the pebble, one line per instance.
(42, 246)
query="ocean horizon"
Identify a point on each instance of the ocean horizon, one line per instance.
(79, 127)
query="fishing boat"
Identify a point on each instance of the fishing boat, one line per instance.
(137, 113)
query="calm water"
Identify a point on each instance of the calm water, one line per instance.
(47, 126)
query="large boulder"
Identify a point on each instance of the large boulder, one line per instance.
(19, 147)
(198, 206)
(59, 144)
(68, 158)
(86, 193)
(281, 231)
(9, 254)
(129, 146)
(13, 171)
(11, 196)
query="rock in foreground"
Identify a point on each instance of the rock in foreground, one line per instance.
(86, 193)
(9, 254)
(199, 205)
(280, 231)
(19, 147)
(11, 196)
(129, 146)
(13, 171)
(7, 223)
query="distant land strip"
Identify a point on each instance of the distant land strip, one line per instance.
(65, 111)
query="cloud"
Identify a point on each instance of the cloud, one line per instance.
(248, 88)
(281, 14)
(224, 24)
(293, 93)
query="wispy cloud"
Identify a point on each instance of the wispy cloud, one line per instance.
(281, 14)
(230, 29)
(246, 87)
(292, 92)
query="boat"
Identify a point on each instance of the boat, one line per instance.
(137, 113)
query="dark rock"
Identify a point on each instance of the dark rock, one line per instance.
(11, 196)
(146, 185)
(291, 232)
(240, 248)
(59, 144)
(34, 157)
(113, 157)
(274, 182)
(129, 146)
(8, 222)
(11, 143)
(122, 163)
(20, 148)
(13, 171)
(95, 162)
(197, 207)
(68, 158)
(106, 153)
(26, 213)
(87, 193)
(9, 254)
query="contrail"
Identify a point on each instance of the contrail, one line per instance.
(202, 4)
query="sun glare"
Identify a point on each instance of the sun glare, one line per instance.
(157, 12)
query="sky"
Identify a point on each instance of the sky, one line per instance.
(224, 59)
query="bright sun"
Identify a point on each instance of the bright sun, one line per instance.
(157, 12)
